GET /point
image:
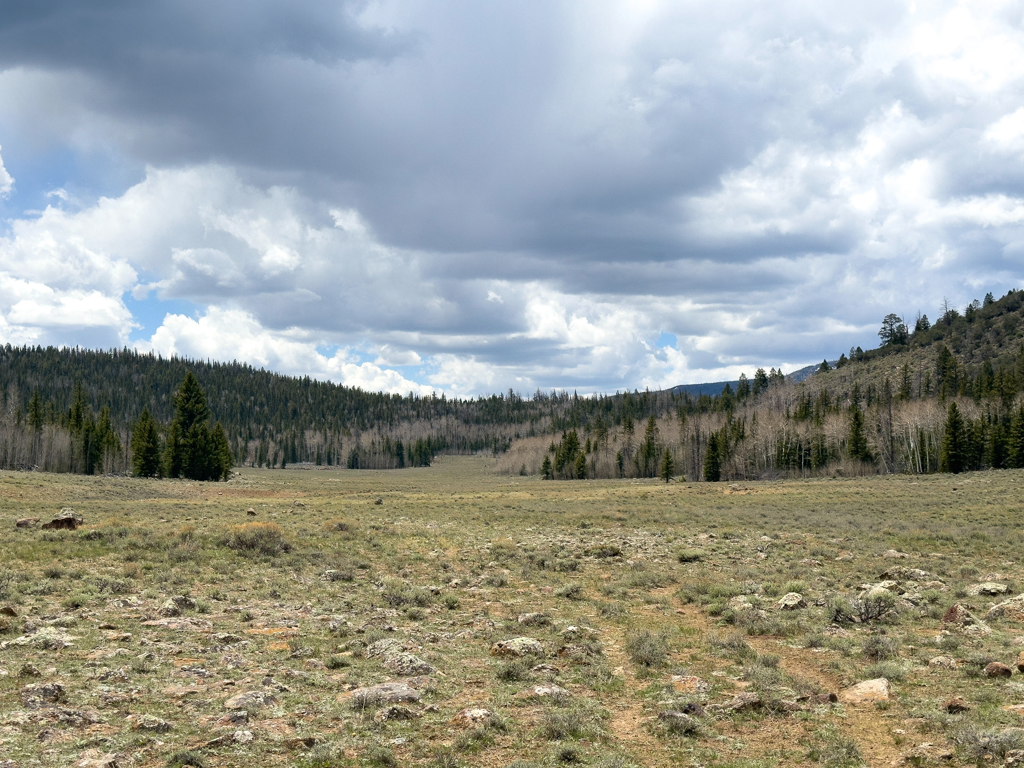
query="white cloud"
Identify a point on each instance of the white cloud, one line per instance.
(227, 334)
(6, 180)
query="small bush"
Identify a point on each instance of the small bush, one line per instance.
(337, 662)
(890, 670)
(339, 525)
(834, 750)
(988, 745)
(570, 592)
(564, 723)
(380, 756)
(495, 580)
(258, 538)
(451, 602)
(188, 757)
(646, 649)
(880, 648)
(513, 672)
(689, 555)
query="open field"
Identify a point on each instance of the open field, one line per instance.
(162, 633)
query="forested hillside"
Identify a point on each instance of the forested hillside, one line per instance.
(882, 410)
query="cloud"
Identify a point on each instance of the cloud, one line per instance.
(511, 196)
(6, 180)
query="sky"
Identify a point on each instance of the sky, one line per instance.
(469, 198)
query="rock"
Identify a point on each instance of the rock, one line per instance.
(534, 620)
(945, 662)
(1012, 609)
(893, 554)
(378, 501)
(243, 737)
(408, 664)
(26, 522)
(8, 610)
(226, 638)
(741, 702)
(956, 705)
(791, 602)
(545, 691)
(679, 722)
(818, 699)
(1020, 662)
(249, 699)
(902, 573)
(67, 520)
(473, 716)
(385, 648)
(518, 647)
(867, 692)
(38, 695)
(150, 723)
(250, 512)
(175, 605)
(1014, 759)
(545, 669)
(395, 712)
(384, 693)
(987, 588)
(238, 717)
(998, 669)
(693, 709)
(29, 670)
(957, 617)
(302, 742)
(93, 758)
(927, 754)
(843, 557)
(740, 603)
(579, 633)
(690, 684)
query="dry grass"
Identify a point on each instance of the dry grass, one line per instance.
(643, 585)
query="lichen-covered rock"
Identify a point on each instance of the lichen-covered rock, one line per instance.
(473, 716)
(546, 691)
(997, 669)
(408, 664)
(956, 705)
(791, 602)
(943, 662)
(867, 692)
(249, 699)
(150, 724)
(958, 618)
(383, 693)
(741, 702)
(690, 684)
(903, 573)
(518, 647)
(1012, 609)
(395, 712)
(39, 695)
(384, 648)
(534, 619)
(990, 588)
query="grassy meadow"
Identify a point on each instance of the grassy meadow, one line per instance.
(174, 627)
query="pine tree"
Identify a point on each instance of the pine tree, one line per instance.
(223, 458)
(192, 450)
(1015, 450)
(712, 460)
(545, 468)
(581, 466)
(35, 411)
(952, 455)
(667, 466)
(145, 446)
(857, 442)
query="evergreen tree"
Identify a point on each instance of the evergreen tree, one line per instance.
(224, 460)
(35, 411)
(954, 442)
(857, 442)
(667, 466)
(712, 460)
(581, 466)
(192, 450)
(545, 468)
(1015, 450)
(145, 444)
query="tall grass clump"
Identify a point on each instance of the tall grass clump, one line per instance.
(258, 539)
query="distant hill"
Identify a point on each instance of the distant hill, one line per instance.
(713, 389)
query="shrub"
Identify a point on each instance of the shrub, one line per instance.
(646, 649)
(566, 723)
(258, 538)
(570, 592)
(880, 648)
(187, 757)
(513, 672)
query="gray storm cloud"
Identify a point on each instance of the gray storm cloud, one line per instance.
(523, 194)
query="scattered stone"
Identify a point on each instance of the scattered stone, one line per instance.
(378, 501)
(29, 670)
(473, 716)
(902, 573)
(1012, 609)
(893, 554)
(93, 758)
(395, 712)
(945, 662)
(843, 557)
(384, 693)
(385, 648)
(956, 705)
(690, 684)
(998, 669)
(38, 695)
(225, 638)
(47, 638)
(239, 717)
(249, 699)
(818, 699)
(302, 742)
(579, 633)
(518, 647)
(927, 754)
(693, 709)
(67, 520)
(250, 512)
(545, 691)
(741, 702)
(243, 737)
(791, 602)
(962, 620)
(545, 669)
(679, 722)
(987, 588)
(150, 724)
(811, 562)
(174, 606)
(1020, 662)
(1014, 759)
(867, 692)
(26, 522)
(8, 610)
(408, 664)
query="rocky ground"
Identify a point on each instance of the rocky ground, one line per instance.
(448, 616)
